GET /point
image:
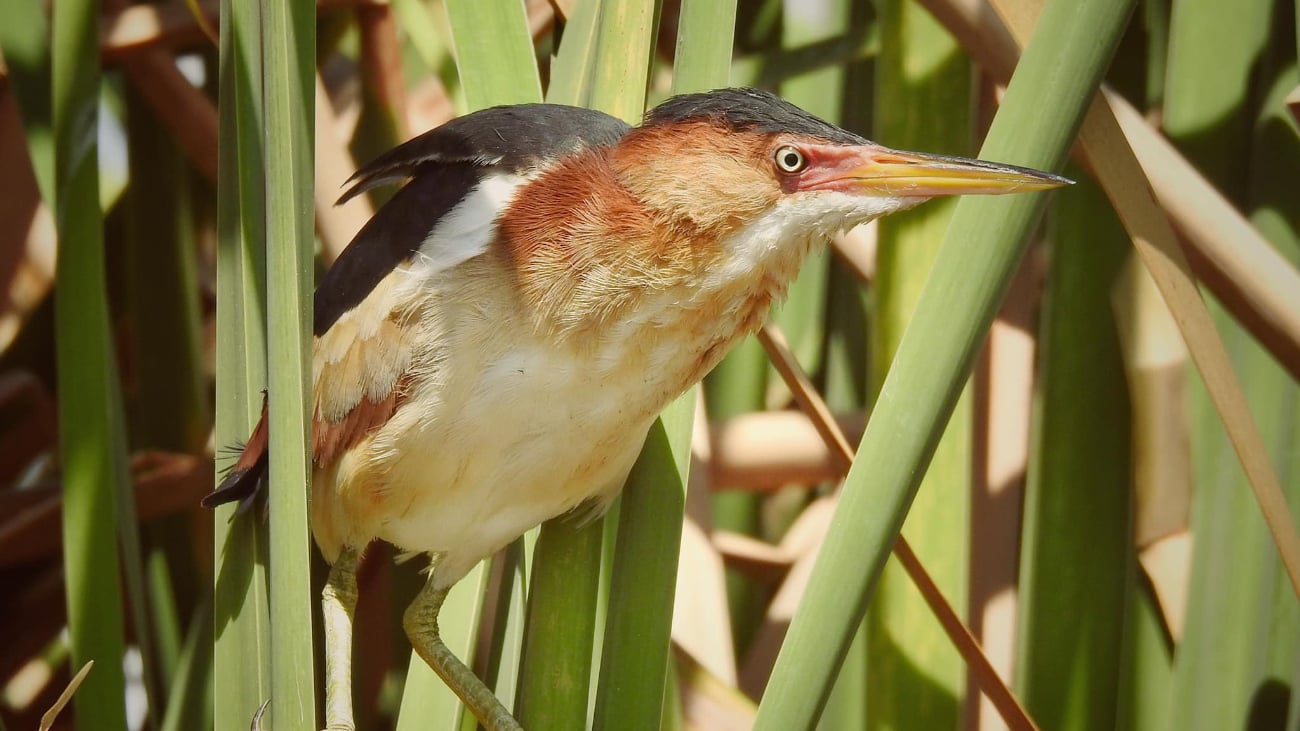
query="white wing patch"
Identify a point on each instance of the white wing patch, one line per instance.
(368, 348)
(466, 230)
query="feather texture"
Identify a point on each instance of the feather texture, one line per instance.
(484, 151)
(493, 347)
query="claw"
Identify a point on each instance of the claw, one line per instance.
(257, 717)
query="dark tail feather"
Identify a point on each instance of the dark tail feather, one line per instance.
(246, 477)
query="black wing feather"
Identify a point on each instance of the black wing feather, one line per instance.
(511, 138)
(389, 238)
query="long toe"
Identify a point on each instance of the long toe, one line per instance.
(421, 624)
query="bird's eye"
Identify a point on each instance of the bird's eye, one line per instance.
(789, 160)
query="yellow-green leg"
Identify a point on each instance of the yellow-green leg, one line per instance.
(421, 624)
(338, 605)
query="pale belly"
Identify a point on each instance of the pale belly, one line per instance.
(485, 451)
(502, 429)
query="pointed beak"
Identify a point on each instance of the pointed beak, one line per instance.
(879, 171)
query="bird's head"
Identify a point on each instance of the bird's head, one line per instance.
(736, 157)
(721, 192)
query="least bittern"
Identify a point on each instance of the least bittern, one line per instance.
(492, 348)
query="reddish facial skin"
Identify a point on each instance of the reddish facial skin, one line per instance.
(875, 170)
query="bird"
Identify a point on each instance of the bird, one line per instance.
(491, 349)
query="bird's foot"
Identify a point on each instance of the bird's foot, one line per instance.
(338, 605)
(421, 624)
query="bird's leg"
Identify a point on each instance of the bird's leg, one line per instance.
(338, 604)
(421, 624)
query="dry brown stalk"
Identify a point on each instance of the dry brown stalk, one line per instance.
(985, 676)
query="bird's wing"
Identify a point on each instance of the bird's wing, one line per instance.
(461, 175)
(359, 366)
(445, 166)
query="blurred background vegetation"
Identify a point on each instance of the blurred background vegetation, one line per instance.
(1086, 513)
